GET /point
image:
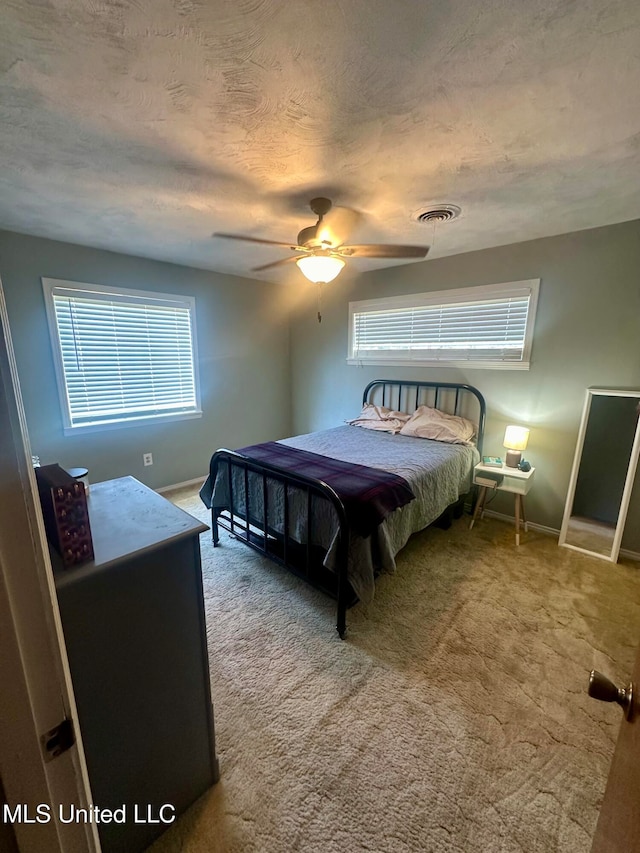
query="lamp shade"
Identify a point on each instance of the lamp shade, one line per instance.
(320, 268)
(516, 437)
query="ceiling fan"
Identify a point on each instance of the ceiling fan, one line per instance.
(321, 250)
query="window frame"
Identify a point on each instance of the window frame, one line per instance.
(148, 297)
(473, 293)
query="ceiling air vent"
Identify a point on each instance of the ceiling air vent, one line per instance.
(440, 213)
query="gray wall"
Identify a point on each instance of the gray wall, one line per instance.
(255, 387)
(587, 334)
(243, 344)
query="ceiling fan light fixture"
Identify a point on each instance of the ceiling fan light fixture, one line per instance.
(320, 269)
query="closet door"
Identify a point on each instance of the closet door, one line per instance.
(618, 829)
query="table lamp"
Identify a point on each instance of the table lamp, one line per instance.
(515, 440)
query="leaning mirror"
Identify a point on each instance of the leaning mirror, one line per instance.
(603, 472)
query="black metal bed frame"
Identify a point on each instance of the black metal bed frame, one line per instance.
(423, 399)
(306, 560)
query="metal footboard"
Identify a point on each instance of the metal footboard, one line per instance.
(245, 513)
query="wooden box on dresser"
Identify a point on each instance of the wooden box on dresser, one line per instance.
(134, 626)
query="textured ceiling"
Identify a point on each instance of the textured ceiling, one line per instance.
(144, 126)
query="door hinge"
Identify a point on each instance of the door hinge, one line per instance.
(57, 740)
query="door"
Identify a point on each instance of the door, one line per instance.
(618, 827)
(36, 690)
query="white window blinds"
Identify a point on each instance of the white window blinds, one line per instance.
(479, 326)
(123, 355)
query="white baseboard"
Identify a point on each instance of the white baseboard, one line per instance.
(198, 480)
(624, 552)
(532, 524)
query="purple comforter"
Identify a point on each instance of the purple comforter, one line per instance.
(369, 495)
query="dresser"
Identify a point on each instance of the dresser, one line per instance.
(134, 626)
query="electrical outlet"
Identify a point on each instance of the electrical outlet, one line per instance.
(147, 458)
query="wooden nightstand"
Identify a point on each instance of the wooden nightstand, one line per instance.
(513, 480)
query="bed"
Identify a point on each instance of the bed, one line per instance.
(298, 501)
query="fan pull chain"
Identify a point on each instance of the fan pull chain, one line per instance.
(319, 302)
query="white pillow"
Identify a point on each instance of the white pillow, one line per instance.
(380, 417)
(432, 423)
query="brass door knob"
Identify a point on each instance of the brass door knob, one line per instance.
(603, 689)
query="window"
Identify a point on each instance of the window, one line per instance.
(489, 326)
(122, 357)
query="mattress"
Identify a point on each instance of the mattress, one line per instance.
(437, 473)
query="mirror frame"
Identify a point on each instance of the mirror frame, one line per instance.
(628, 483)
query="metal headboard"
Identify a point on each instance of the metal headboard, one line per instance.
(451, 397)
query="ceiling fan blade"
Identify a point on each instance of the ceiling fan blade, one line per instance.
(374, 250)
(274, 264)
(337, 225)
(254, 240)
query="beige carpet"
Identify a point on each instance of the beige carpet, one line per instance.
(454, 718)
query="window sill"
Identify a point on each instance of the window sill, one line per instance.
(132, 422)
(415, 362)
